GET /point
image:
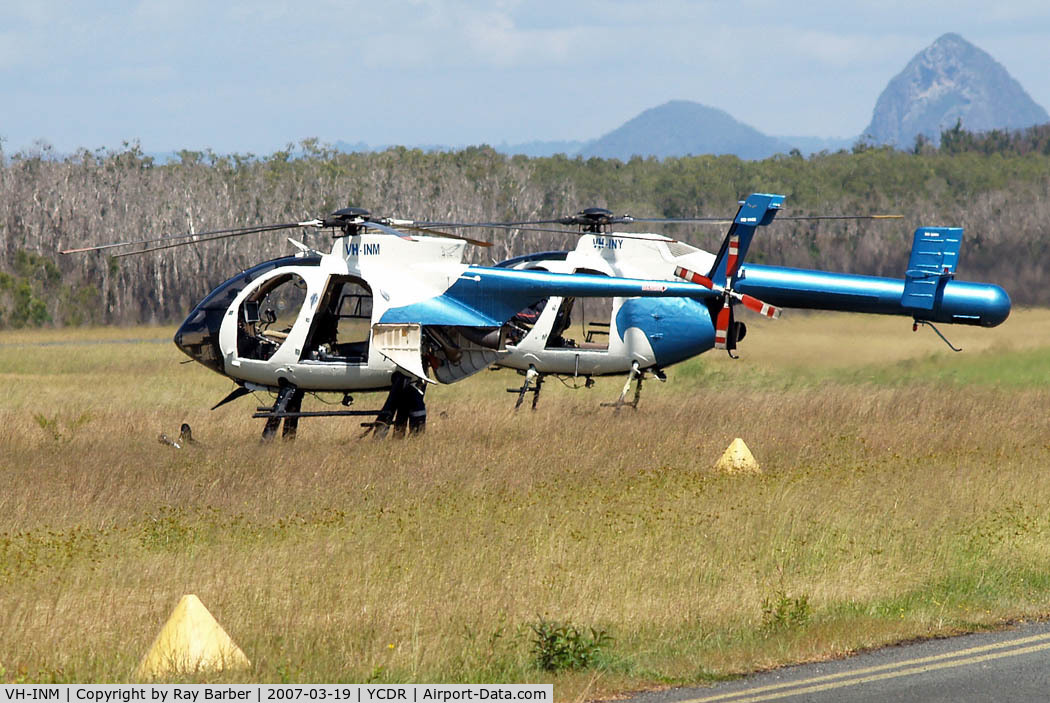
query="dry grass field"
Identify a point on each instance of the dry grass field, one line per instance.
(904, 494)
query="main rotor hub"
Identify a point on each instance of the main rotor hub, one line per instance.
(349, 220)
(593, 219)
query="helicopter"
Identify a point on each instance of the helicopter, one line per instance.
(391, 307)
(637, 336)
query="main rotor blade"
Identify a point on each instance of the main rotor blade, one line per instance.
(368, 224)
(447, 235)
(534, 229)
(780, 218)
(416, 227)
(684, 220)
(257, 230)
(514, 225)
(525, 225)
(839, 217)
(233, 231)
(490, 225)
(574, 232)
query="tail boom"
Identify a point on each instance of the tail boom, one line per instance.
(958, 302)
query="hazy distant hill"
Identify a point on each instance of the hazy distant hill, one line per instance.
(680, 127)
(812, 145)
(355, 148)
(950, 80)
(542, 148)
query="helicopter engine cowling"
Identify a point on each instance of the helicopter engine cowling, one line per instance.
(457, 352)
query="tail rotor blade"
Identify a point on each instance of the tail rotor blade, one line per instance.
(693, 277)
(755, 305)
(732, 257)
(722, 324)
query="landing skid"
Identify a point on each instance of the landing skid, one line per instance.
(531, 376)
(287, 408)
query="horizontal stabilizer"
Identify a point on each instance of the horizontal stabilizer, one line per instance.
(934, 256)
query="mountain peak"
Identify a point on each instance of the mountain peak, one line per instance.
(951, 39)
(680, 127)
(951, 80)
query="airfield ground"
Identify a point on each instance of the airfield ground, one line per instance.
(905, 494)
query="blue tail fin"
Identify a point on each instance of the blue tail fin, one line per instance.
(934, 256)
(758, 210)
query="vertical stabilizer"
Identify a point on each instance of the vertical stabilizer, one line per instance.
(934, 256)
(758, 210)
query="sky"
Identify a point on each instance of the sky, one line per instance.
(253, 76)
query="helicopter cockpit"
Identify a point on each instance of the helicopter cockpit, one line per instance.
(267, 315)
(198, 336)
(592, 330)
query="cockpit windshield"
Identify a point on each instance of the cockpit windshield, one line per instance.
(198, 336)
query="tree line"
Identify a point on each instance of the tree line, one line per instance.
(50, 202)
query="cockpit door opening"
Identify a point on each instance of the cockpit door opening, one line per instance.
(342, 326)
(267, 315)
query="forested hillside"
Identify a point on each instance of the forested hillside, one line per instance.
(48, 203)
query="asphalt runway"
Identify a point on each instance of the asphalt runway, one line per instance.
(1010, 666)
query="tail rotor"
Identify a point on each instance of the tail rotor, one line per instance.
(758, 210)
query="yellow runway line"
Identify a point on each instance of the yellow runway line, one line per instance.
(918, 666)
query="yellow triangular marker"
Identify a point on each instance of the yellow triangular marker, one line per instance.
(191, 641)
(738, 459)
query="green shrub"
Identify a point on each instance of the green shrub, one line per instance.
(781, 610)
(558, 646)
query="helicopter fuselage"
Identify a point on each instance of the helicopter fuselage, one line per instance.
(619, 332)
(307, 320)
(347, 320)
(655, 333)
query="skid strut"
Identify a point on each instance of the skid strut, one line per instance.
(631, 376)
(638, 376)
(532, 375)
(289, 400)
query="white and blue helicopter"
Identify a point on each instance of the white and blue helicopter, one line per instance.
(393, 306)
(390, 306)
(638, 336)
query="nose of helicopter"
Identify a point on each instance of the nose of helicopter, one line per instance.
(198, 338)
